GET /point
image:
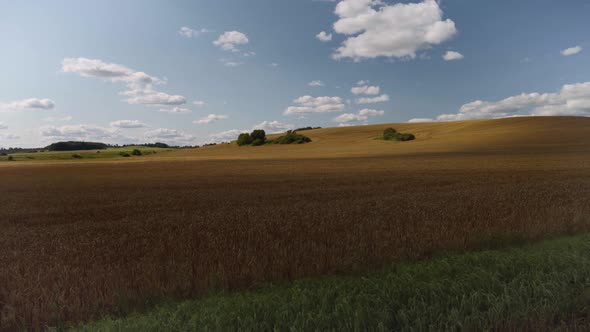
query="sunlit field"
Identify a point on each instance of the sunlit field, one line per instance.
(83, 239)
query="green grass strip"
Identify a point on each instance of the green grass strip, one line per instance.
(537, 287)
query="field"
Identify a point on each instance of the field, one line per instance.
(109, 153)
(83, 239)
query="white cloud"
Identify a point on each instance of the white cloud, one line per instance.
(229, 39)
(190, 32)
(571, 50)
(366, 90)
(274, 64)
(229, 63)
(169, 136)
(200, 103)
(324, 36)
(420, 120)
(370, 112)
(572, 99)
(375, 29)
(175, 110)
(349, 117)
(452, 55)
(10, 136)
(273, 127)
(62, 119)
(128, 124)
(226, 135)
(3, 126)
(210, 119)
(362, 82)
(140, 88)
(84, 132)
(316, 83)
(28, 104)
(309, 104)
(373, 100)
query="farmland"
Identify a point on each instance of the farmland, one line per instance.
(84, 239)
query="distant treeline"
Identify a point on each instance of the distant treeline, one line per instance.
(78, 145)
(306, 128)
(73, 146)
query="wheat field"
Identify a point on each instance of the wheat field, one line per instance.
(80, 239)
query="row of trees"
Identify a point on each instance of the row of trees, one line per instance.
(258, 137)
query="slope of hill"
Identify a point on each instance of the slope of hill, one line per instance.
(510, 136)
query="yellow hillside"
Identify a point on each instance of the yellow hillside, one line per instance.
(512, 135)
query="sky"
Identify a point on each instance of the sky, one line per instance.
(196, 72)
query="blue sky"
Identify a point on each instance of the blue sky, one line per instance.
(192, 72)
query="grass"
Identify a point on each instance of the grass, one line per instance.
(544, 286)
(80, 240)
(110, 153)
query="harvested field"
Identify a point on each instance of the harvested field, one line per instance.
(80, 239)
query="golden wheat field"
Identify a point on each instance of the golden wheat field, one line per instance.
(80, 239)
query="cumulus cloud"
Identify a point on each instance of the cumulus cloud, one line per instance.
(226, 135)
(175, 110)
(372, 100)
(3, 126)
(199, 103)
(572, 99)
(190, 32)
(571, 50)
(140, 86)
(420, 120)
(362, 82)
(365, 90)
(169, 136)
(316, 83)
(60, 119)
(273, 127)
(362, 116)
(309, 104)
(128, 124)
(210, 119)
(28, 104)
(370, 112)
(85, 132)
(350, 117)
(324, 36)
(229, 39)
(375, 29)
(452, 55)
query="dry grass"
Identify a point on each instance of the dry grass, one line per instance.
(81, 239)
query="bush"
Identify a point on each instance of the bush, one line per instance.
(124, 154)
(258, 134)
(136, 152)
(257, 142)
(406, 137)
(244, 139)
(10, 158)
(76, 156)
(389, 134)
(292, 138)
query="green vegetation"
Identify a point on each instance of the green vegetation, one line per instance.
(307, 128)
(76, 146)
(258, 137)
(391, 134)
(541, 286)
(84, 154)
(291, 138)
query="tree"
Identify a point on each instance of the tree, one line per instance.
(244, 139)
(136, 152)
(258, 134)
(390, 134)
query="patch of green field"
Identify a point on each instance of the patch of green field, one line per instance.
(536, 287)
(82, 154)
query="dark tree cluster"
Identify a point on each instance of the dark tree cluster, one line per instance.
(74, 146)
(391, 134)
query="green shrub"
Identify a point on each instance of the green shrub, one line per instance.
(136, 152)
(406, 137)
(10, 158)
(76, 156)
(244, 139)
(258, 134)
(292, 138)
(124, 154)
(390, 134)
(257, 142)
